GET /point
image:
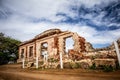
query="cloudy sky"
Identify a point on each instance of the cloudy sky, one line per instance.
(96, 20)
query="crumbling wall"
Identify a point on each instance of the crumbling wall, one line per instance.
(56, 43)
(107, 62)
(89, 47)
(79, 43)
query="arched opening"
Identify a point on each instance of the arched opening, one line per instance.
(44, 48)
(69, 44)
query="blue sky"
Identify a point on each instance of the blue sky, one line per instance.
(98, 21)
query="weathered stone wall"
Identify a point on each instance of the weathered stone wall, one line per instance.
(56, 43)
(107, 62)
(89, 47)
(50, 43)
(82, 51)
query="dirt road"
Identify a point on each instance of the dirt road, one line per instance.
(14, 72)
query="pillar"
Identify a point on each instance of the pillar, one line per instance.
(61, 45)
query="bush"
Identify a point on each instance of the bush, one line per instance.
(117, 66)
(108, 68)
(11, 58)
(4, 58)
(74, 65)
(52, 60)
(78, 64)
(93, 66)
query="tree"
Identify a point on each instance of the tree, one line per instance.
(8, 47)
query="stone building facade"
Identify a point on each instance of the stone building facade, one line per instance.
(52, 41)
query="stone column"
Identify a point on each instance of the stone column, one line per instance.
(35, 49)
(33, 54)
(61, 45)
(49, 47)
(76, 42)
(24, 52)
(38, 49)
(39, 52)
(28, 52)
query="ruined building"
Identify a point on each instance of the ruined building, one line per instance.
(46, 47)
(52, 41)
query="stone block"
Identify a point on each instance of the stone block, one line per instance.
(85, 63)
(102, 62)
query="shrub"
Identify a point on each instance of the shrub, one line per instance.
(74, 65)
(117, 66)
(93, 66)
(52, 60)
(78, 64)
(108, 68)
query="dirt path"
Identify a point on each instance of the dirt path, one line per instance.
(14, 72)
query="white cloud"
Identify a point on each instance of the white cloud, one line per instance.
(48, 8)
(90, 3)
(20, 27)
(114, 24)
(23, 30)
(37, 8)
